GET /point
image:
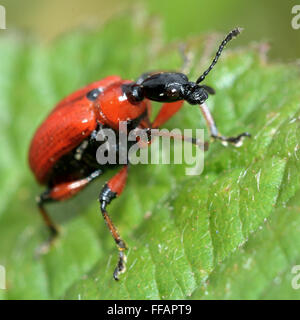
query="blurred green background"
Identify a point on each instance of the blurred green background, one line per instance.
(268, 20)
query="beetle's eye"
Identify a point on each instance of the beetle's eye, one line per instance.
(93, 94)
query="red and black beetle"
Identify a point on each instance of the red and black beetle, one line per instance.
(62, 153)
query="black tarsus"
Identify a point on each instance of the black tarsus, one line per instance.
(232, 34)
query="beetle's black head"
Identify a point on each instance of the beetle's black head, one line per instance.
(195, 94)
(174, 86)
(166, 87)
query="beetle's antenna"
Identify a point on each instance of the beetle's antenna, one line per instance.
(232, 34)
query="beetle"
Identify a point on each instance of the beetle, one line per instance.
(62, 151)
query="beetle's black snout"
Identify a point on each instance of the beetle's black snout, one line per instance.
(195, 94)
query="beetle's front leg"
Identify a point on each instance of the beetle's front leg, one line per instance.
(111, 190)
(237, 140)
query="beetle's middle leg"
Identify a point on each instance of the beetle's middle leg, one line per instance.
(59, 192)
(237, 140)
(166, 112)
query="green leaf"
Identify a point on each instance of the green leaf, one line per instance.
(230, 233)
(262, 268)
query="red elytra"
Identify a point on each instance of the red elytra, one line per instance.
(74, 119)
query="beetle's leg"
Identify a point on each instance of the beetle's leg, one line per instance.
(197, 142)
(152, 134)
(237, 141)
(166, 112)
(187, 58)
(53, 229)
(111, 190)
(59, 192)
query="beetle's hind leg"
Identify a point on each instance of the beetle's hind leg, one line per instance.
(59, 192)
(53, 229)
(111, 190)
(236, 141)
